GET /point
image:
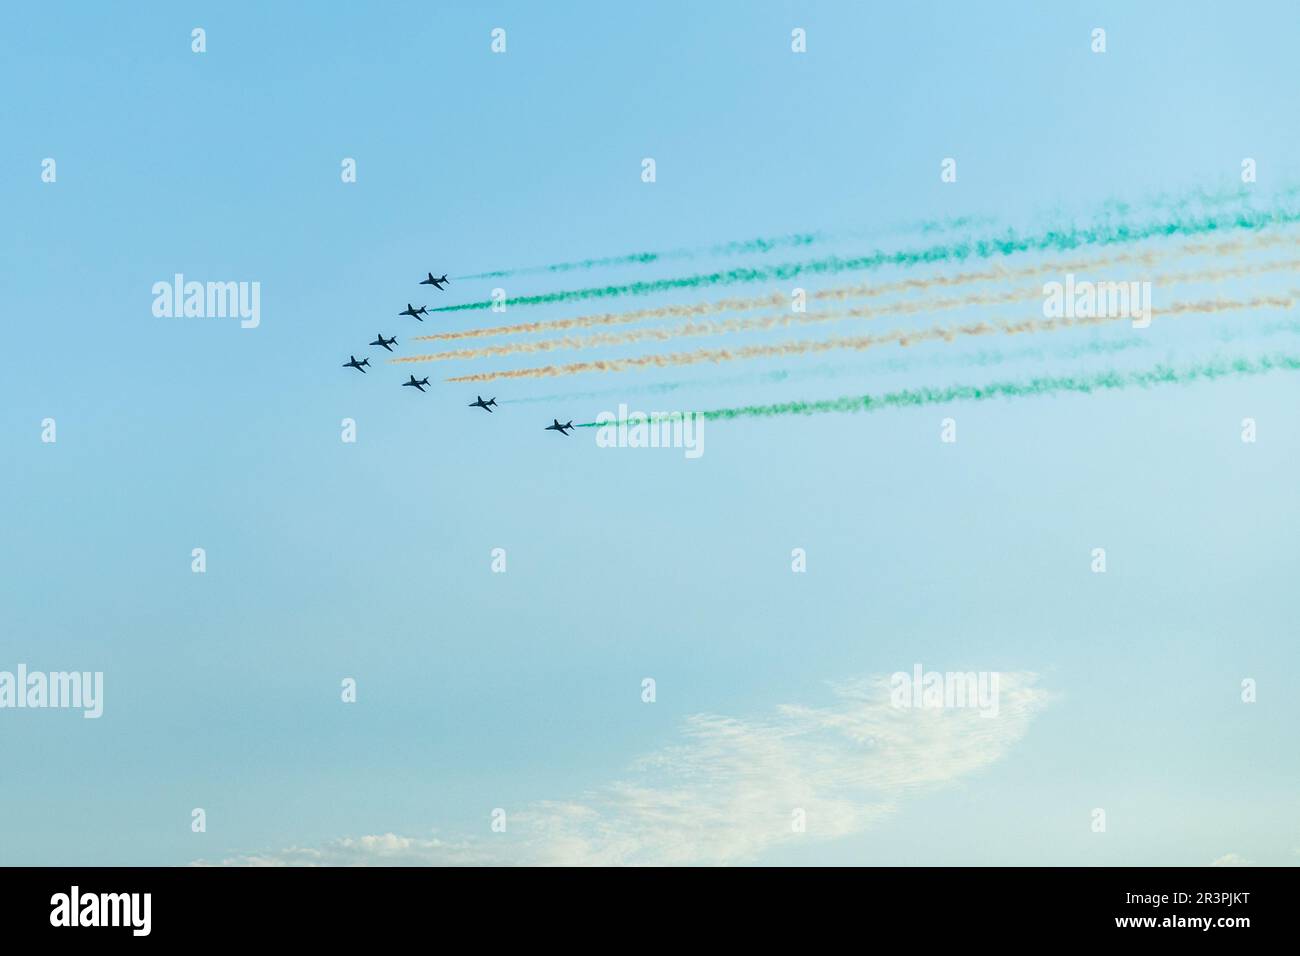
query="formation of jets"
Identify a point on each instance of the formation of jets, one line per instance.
(420, 384)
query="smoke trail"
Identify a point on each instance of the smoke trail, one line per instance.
(785, 318)
(985, 248)
(610, 318)
(1177, 202)
(862, 291)
(984, 357)
(902, 337)
(1198, 197)
(902, 362)
(738, 247)
(999, 272)
(707, 328)
(1025, 388)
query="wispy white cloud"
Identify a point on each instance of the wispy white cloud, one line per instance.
(729, 791)
(387, 849)
(1232, 859)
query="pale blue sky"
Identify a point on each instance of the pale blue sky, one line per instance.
(371, 560)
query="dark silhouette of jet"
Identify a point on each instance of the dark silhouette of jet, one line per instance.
(557, 427)
(436, 283)
(355, 364)
(482, 404)
(386, 343)
(420, 384)
(413, 312)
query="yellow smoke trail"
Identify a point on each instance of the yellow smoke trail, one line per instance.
(865, 290)
(902, 337)
(697, 329)
(785, 319)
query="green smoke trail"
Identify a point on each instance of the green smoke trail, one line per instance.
(738, 247)
(1055, 240)
(733, 248)
(1164, 202)
(1025, 388)
(1201, 197)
